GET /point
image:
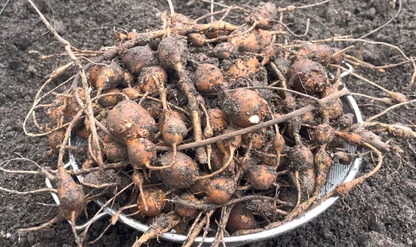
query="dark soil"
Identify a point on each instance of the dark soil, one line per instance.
(381, 212)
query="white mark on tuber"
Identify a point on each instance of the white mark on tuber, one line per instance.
(254, 119)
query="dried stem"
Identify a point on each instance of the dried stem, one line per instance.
(4, 6)
(84, 233)
(362, 78)
(193, 232)
(358, 62)
(42, 226)
(188, 88)
(266, 124)
(281, 89)
(221, 12)
(206, 230)
(35, 104)
(389, 109)
(412, 80)
(171, 9)
(385, 24)
(294, 34)
(213, 206)
(88, 109)
(225, 166)
(291, 8)
(348, 39)
(344, 188)
(50, 190)
(136, 96)
(383, 100)
(89, 170)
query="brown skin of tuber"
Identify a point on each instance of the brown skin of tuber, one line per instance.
(212, 34)
(253, 41)
(173, 52)
(217, 158)
(240, 219)
(55, 139)
(307, 180)
(220, 190)
(268, 53)
(110, 100)
(346, 120)
(146, 82)
(141, 152)
(258, 139)
(185, 211)
(128, 120)
(307, 76)
(182, 172)
(343, 157)
(56, 111)
(324, 134)
(334, 109)
(319, 53)
(93, 74)
(308, 118)
(180, 18)
(229, 145)
(132, 93)
(136, 58)
(301, 158)
(197, 39)
(128, 79)
(278, 143)
(243, 67)
(323, 162)
(82, 132)
(114, 151)
(71, 196)
(350, 138)
(109, 76)
(245, 107)
(199, 188)
(208, 78)
(264, 14)
(173, 129)
(217, 120)
(72, 106)
(155, 200)
(219, 161)
(153, 108)
(261, 177)
(225, 50)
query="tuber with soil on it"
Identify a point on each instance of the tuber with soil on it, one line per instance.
(181, 172)
(128, 120)
(220, 190)
(151, 202)
(245, 107)
(208, 78)
(146, 82)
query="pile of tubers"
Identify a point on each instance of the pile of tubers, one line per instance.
(208, 129)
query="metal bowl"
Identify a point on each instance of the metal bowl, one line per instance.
(338, 174)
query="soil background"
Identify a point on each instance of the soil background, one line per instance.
(380, 212)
